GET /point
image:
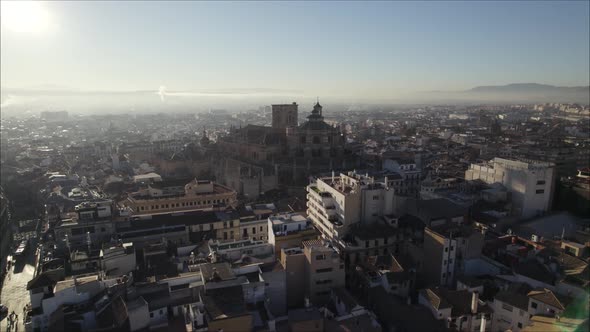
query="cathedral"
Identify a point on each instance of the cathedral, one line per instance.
(255, 159)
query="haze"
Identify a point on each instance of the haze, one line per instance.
(252, 52)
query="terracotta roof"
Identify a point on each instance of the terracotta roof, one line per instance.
(225, 302)
(515, 295)
(45, 279)
(548, 297)
(435, 299)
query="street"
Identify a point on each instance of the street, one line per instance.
(14, 291)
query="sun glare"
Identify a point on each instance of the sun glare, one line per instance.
(24, 16)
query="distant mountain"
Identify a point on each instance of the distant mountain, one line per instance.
(528, 88)
(528, 93)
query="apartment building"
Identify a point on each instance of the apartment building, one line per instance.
(337, 202)
(531, 183)
(446, 247)
(324, 270)
(289, 230)
(311, 272)
(461, 310)
(409, 175)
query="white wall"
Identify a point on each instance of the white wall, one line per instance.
(504, 319)
(158, 317)
(139, 318)
(121, 264)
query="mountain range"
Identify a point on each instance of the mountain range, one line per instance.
(513, 93)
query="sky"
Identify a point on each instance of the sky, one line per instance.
(371, 49)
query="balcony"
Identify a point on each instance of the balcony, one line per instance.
(314, 188)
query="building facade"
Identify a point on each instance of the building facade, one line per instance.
(196, 195)
(531, 183)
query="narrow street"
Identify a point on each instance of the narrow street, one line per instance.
(14, 291)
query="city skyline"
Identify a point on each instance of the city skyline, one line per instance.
(375, 50)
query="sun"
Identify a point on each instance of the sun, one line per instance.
(24, 16)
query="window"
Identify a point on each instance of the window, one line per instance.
(302, 140)
(161, 312)
(540, 182)
(151, 315)
(320, 257)
(322, 293)
(450, 261)
(225, 235)
(446, 249)
(253, 230)
(323, 282)
(540, 191)
(534, 305)
(521, 313)
(376, 243)
(329, 269)
(507, 307)
(376, 197)
(366, 244)
(261, 228)
(519, 325)
(385, 240)
(452, 248)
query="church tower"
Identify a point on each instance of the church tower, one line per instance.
(285, 116)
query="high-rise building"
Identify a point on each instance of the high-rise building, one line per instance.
(335, 203)
(531, 183)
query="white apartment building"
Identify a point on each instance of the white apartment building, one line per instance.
(409, 174)
(531, 183)
(334, 203)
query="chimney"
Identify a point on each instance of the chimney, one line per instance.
(474, 302)
(482, 326)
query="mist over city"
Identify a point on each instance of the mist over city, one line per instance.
(295, 166)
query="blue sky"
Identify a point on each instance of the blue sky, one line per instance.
(374, 49)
